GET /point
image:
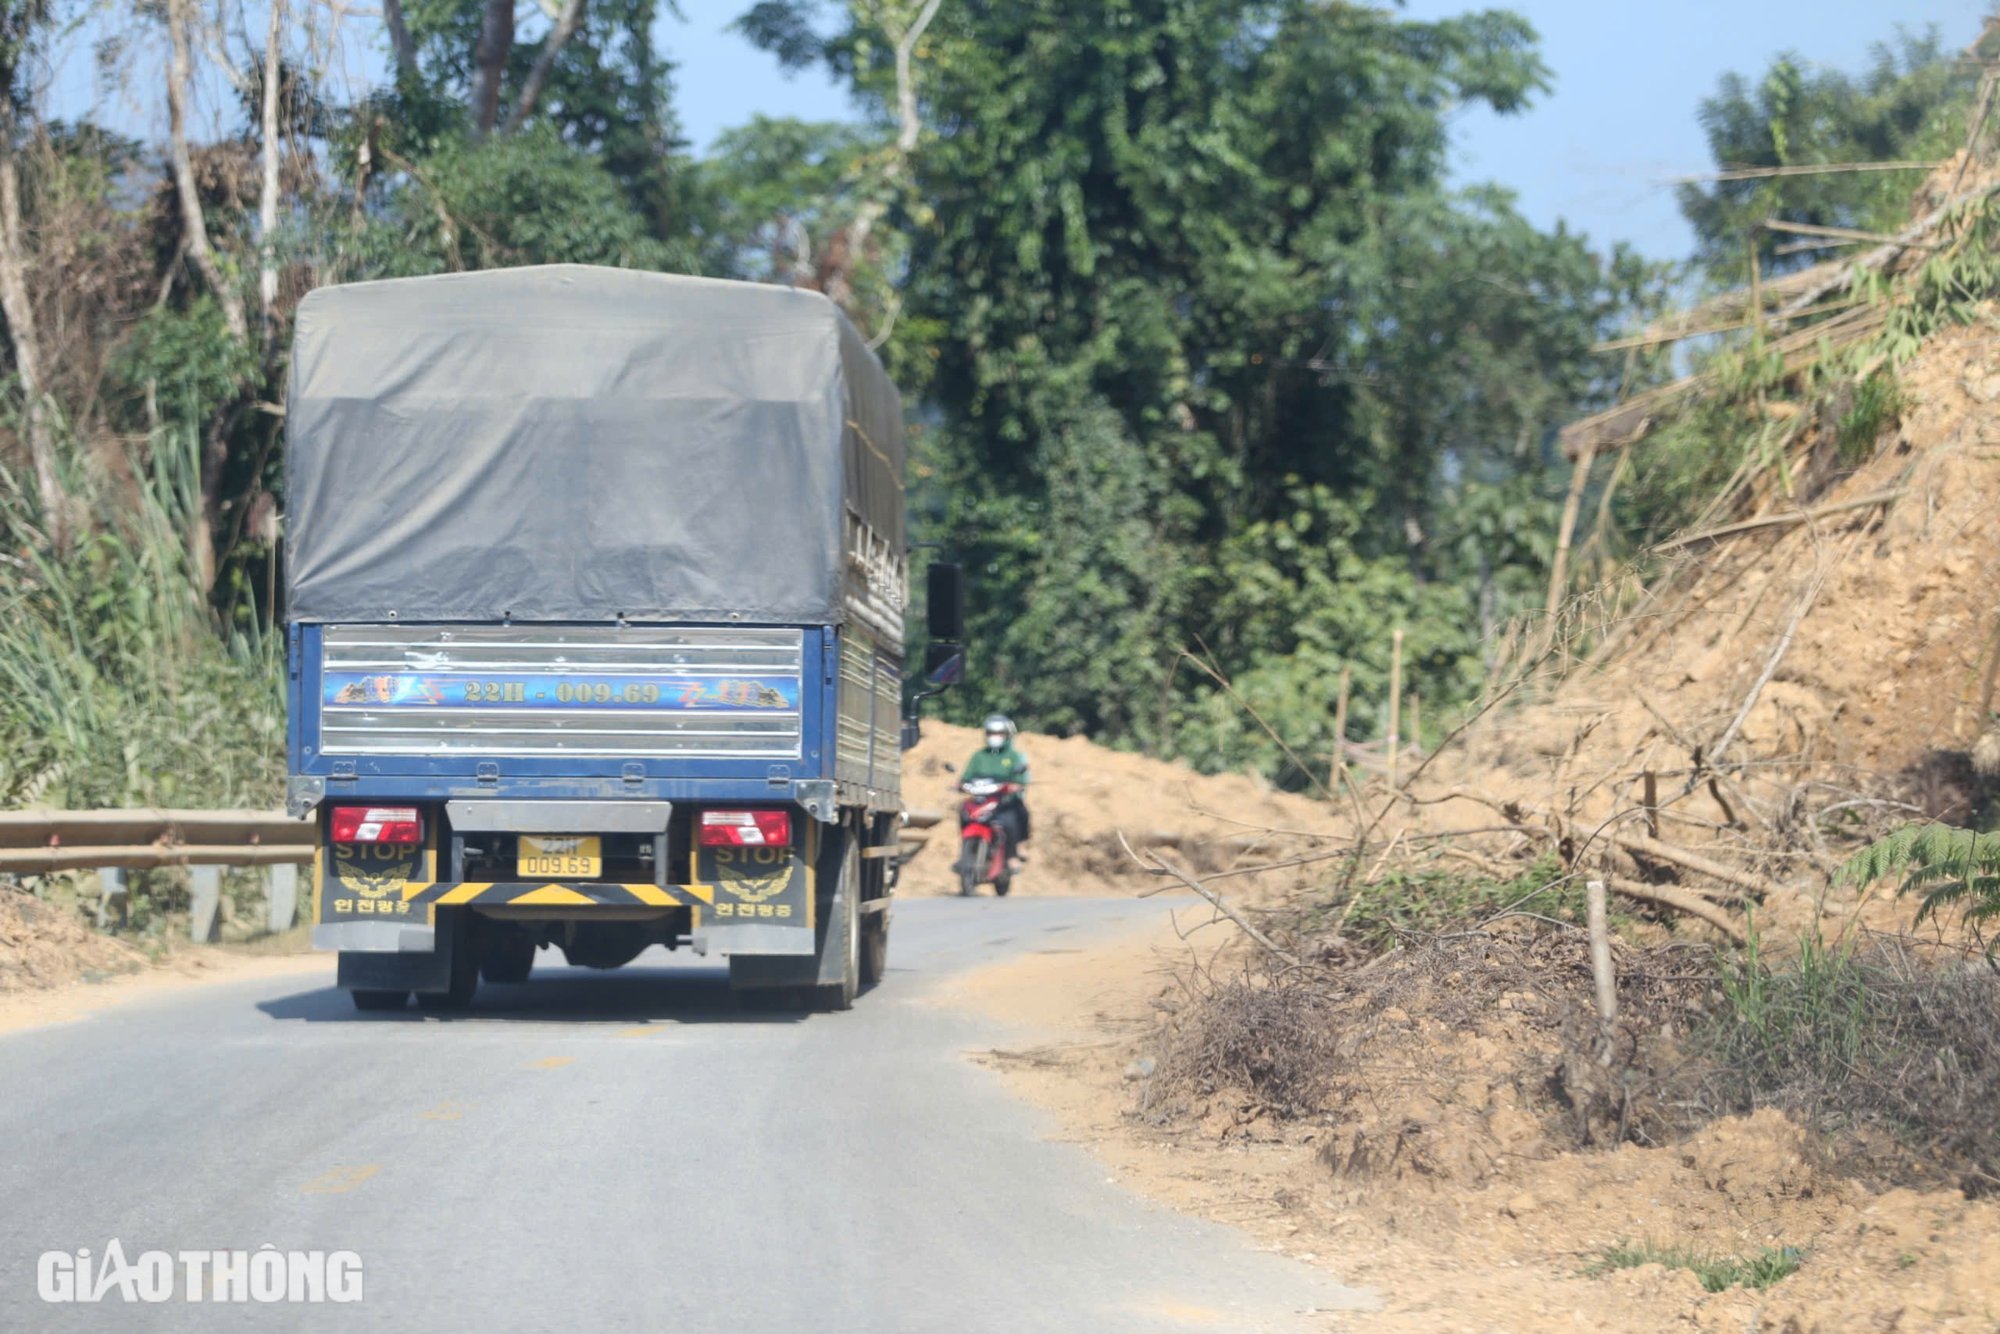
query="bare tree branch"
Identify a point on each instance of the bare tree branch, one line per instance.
(193, 223)
(909, 130)
(566, 24)
(20, 313)
(215, 41)
(489, 60)
(399, 40)
(267, 203)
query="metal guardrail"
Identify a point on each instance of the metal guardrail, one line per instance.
(113, 842)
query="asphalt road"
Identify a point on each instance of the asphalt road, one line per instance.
(610, 1151)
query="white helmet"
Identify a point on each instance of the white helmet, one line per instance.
(999, 731)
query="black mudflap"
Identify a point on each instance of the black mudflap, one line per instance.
(826, 965)
(430, 971)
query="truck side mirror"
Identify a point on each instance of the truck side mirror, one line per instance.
(945, 602)
(944, 664)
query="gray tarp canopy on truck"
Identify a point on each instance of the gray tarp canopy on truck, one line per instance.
(575, 443)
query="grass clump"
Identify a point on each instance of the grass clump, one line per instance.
(1417, 902)
(1718, 1273)
(1893, 1055)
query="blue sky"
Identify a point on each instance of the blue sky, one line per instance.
(1597, 152)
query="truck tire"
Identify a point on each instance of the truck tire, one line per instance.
(508, 959)
(464, 977)
(843, 933)
(799, 982)
(371, 1000)
(874, 948)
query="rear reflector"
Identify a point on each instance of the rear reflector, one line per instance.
(377, 824)
(746, 829)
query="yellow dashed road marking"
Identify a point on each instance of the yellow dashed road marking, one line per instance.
(339, 1180)
(446, 1111)
(551, 1063)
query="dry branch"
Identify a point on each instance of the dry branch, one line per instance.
(1785, 520)
(568, 20)
(1217, 902)
(1778, 652)
(1654, 850)
(1665, 896)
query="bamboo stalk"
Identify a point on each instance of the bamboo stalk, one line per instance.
(1579, 477)
(1337, 775)
(1802, 169)
(1786, 519)
(1841, 234)
(1395, 701)
(1645, 340)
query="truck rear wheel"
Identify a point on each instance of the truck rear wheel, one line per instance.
(508, 958)
(464, 976)
(874, 948)
(790, 982)
(843, 933)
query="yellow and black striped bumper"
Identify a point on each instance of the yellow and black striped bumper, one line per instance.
(533, 894)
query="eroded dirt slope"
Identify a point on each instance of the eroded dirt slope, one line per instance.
(46, 945)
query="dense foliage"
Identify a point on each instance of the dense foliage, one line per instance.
(1203, 353)
(1217, 360)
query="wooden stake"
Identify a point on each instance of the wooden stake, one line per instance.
(1395, 701)
(1652, 803)
(1417, 721)
(1337, 773)
(1598, 915)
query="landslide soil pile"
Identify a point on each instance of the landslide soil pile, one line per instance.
(44, 945)
(1428, 1107)
(1791, 689)
(1083, 796)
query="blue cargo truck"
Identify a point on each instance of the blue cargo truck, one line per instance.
(595, 591)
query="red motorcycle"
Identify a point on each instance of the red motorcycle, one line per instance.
(984, 857)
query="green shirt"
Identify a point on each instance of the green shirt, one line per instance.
(1006, 764)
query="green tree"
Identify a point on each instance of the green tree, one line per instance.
(1209, 347)
(1907, 105)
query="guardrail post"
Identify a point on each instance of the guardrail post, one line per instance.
(111, 879)
(207, 896)
(284, 896)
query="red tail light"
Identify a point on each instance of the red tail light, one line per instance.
(746, 829)
(377, 824)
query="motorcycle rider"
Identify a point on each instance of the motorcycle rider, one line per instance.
(999, 759)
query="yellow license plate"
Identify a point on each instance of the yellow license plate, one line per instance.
(560, 857)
